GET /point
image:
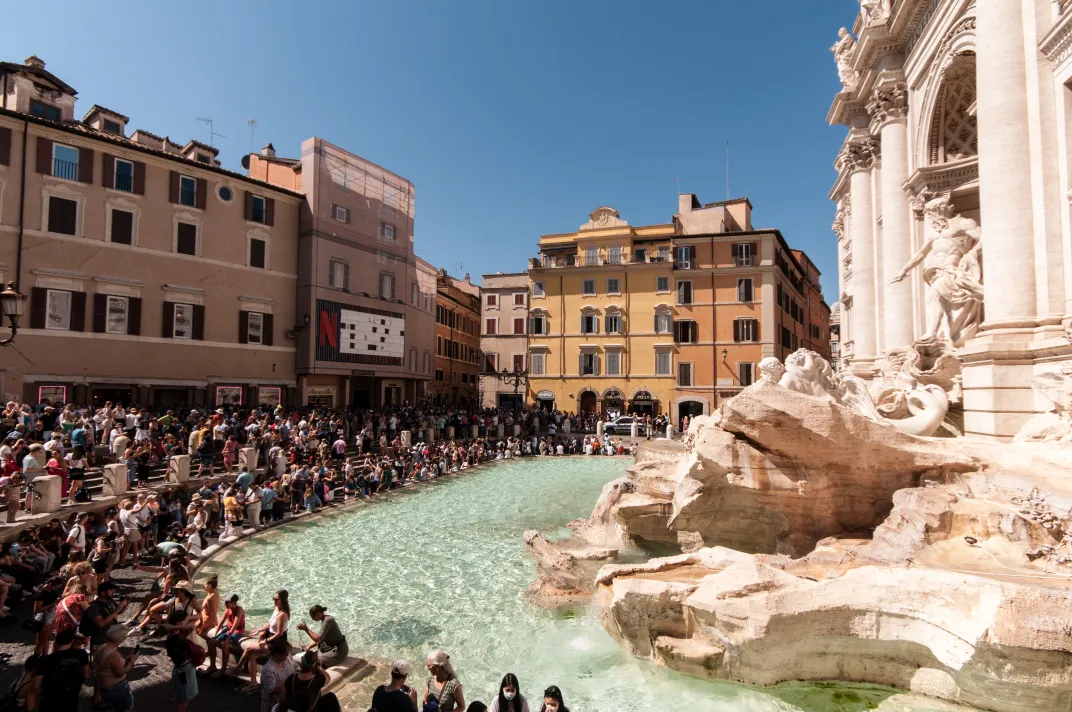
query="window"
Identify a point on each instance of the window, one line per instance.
(744, 254)
(537, 289)
(663, 323)
(664, 254)
(589, 324)
(112, 127)
(589, 364)
(340, 214)
(745, 330)
(387, 230)
(439, 346)
(338, 274)
(639, 255)
(491, 363)
(662, 284)
(122, 227)
(684, 374)
(492, 301)
(257, 253)
(536, 364)
(184, 321)
(539, 325)
(116, 315)
(414, 293)
(62, 215)
(255, 328)
(64, 161)
(413, 359)
(613, 323)
(588, 287)
(58, 310)
(427, 362)
(225, 193)
(439, 374)
(662, 363)
(686, 332)
(387, 285)
(612, 286)
(257, 211)
(614, 256)
(683, 257)
(203, 158)
(186, 239)
(744, 289)
(684, 292)
(519, 326)
(745, 373)
(187, 191)
(44, 111)
(491, 327)
(614, 363)
(519, 363)
(591, 256)
(124, 175)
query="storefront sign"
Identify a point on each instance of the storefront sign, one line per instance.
(642, 396)
(320, 396)
(229, 396)
(358, 372)
(545, 395)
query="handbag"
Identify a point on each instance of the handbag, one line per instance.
(196, 653)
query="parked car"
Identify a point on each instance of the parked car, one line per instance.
(621, 426)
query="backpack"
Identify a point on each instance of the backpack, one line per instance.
(67, 677)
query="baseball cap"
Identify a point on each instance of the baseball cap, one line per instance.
(400, 668)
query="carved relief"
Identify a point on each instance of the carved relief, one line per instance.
(858, 154)
(602, 218)
(844, 50)
(875, 11)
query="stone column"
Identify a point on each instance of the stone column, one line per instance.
(889, 107)
(1005, 200)
(247, 457)
(858, 158)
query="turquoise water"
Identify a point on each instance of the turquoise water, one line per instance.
(444, 566)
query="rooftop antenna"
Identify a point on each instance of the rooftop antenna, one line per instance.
(211, 134)
(727, 170)
(252, 131)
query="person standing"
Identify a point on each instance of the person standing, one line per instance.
(60, 675)
(397, 696)
(183, 670)
(111, 668)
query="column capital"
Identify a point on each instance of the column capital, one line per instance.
(858, 154)
(888, 103)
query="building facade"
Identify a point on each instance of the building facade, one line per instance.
(457, 334)
(365, 335)
(504, 339)
(155, 277)
(666, 319)
(953, 221)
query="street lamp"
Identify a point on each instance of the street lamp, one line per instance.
(725, 353)
(515, 379)
(12, 305)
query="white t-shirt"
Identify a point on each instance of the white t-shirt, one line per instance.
(79, 534)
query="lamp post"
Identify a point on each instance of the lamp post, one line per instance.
(515, 379)
(12, 305)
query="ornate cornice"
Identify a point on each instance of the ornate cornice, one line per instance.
(932, 181)
(1057, 44)
(889, 103)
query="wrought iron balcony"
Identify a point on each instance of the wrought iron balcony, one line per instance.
(68, 170)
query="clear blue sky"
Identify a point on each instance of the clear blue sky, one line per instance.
(512, 117)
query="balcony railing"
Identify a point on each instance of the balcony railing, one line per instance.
(584, 260)
(744, 260)
(682, 264)
(68, 170)
(124, 183)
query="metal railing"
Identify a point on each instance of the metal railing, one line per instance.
(124, 183)
(68, 170)
(744, 260)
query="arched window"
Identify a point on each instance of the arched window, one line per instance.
(589, 320)
(954, 126)
(664, 319)
(613, 321)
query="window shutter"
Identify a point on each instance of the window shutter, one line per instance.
(134, 315)
(100, 312)
(269, 211)
(755, 330)
(168, 331)
(107, 170)
(596, 365)
(5, 146)
(44, 155)
(139, 178)
(199, 322)
(736, 250)
(202, 192)
(173, 189)
(736, 329)
(78, 311)
(580, 364)
(85, 166)
(243, 327)
(248, 214)
(266, 330)
(38, 307)
(692, 256)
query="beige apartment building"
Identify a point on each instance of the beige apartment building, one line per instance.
(155, 276)
(366, 311)
(504, 338)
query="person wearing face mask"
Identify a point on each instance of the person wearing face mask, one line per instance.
(552, 700)
(509, 698)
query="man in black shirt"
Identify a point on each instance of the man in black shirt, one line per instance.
(396, 697)
(59, 676)
(101, 614)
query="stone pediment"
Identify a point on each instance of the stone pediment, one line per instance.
(603, 217)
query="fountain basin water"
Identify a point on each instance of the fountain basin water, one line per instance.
(444, 566)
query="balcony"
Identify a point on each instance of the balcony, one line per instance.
(744, 261)
(68, 170)
(124, 183)
(682, 264)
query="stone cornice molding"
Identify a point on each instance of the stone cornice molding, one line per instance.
(888, 103)
(1057, 44)
(931, 181)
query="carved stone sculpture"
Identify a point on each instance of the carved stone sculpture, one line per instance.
(1054, 426)
(953, 272)
(771, 370)
(843, 50)
(875, 11)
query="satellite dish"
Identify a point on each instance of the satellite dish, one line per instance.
(245, 161)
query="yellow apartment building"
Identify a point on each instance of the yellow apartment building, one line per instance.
(666, 319)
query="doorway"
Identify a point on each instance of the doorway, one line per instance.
(392, 395)
(115, 395)
(690, 408)
(588, 402)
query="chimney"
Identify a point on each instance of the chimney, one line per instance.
(467, 278)
(687, 202)
(34, 61)
(268, 151)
